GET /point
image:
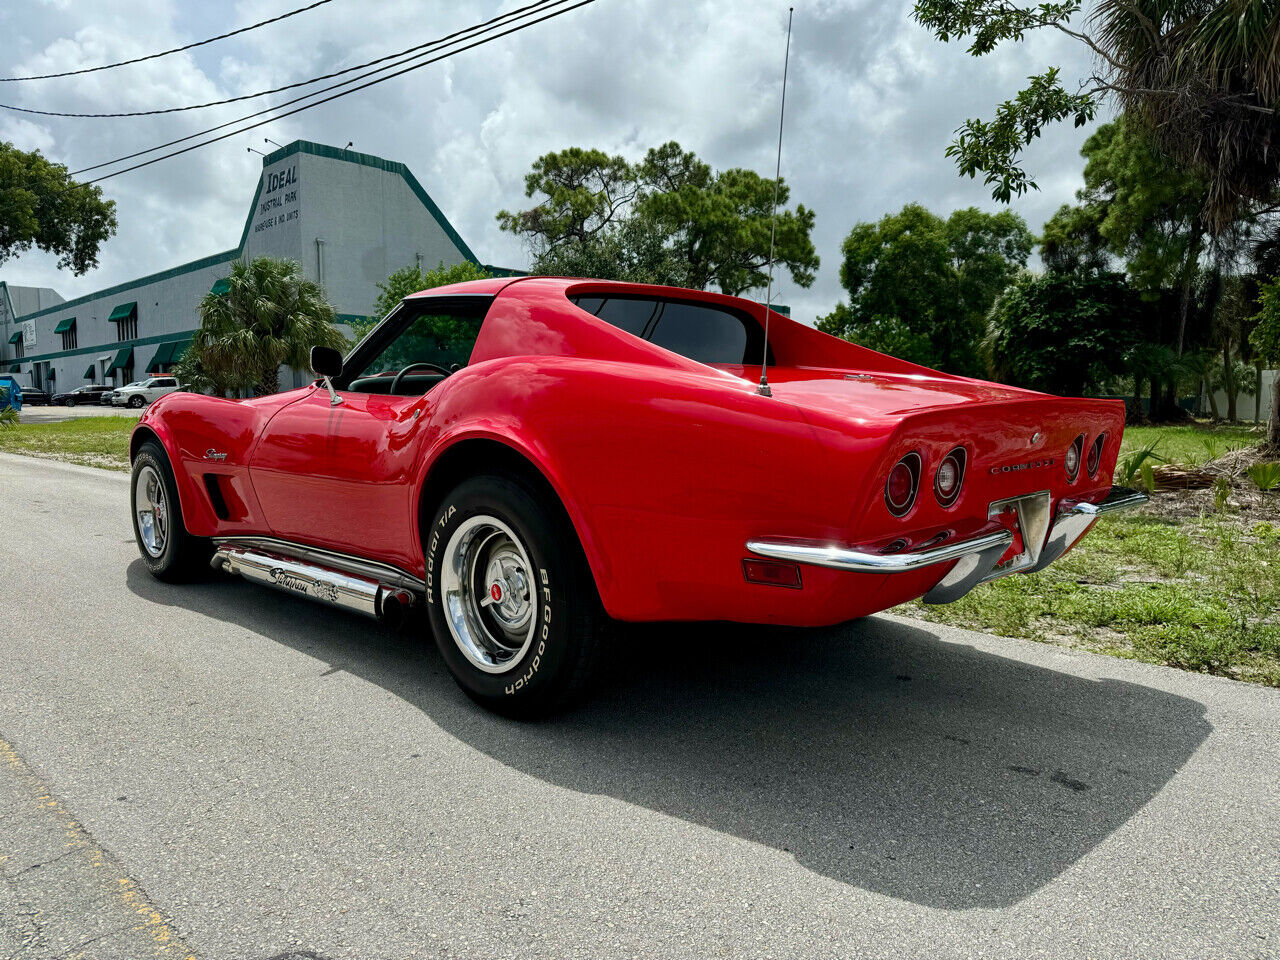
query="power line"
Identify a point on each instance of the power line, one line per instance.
(433, 45)
(417, 66)
(289, 86)
(165, 53)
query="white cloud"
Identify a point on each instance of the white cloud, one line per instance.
(872, 102)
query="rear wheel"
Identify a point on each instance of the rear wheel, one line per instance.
(169, 552)
(511, 602)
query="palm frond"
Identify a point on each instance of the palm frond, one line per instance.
(270, 316)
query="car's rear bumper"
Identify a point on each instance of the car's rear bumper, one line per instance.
(976, 559)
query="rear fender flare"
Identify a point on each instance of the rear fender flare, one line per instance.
(540, 463)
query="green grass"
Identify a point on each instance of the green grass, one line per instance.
(1200, 594)
(90, 441)
(1190, 445)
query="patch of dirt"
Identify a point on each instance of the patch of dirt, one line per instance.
(1187, 492)
(1234, 464)
(1246, 505)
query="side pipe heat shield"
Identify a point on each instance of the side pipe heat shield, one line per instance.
(350, 591)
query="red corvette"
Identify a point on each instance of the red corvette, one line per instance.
(532, 458)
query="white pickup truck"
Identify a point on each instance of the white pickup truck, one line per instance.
(141, 393)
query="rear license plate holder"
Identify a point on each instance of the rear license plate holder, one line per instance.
(1031, 520)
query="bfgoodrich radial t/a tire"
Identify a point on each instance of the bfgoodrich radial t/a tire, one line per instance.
(510, 599)
(169, 552)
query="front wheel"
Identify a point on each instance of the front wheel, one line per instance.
(510, 598)
(71, 403)
(169, 552)
(136, 402)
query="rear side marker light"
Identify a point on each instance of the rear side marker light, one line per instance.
(1072, 459)
(949, 477)
(901, 486)
(773, 573)
(1094, 460)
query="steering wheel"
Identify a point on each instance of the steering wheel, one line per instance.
(395, 384)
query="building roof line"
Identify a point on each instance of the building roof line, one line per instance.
(210, 261)
(377, 163)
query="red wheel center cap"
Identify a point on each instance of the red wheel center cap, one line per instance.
(495, 592)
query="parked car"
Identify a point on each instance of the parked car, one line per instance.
(142, 392)
(90, 393)
(532, 458)
(109, 396)
(34, 397)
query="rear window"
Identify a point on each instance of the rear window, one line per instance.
(700, 331)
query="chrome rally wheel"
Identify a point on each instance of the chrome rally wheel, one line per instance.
(489, 594)
(511, 601)
(168, 550)
(150, 506)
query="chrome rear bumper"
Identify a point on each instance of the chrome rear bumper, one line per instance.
(976, 557)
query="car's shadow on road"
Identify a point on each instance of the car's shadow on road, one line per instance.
(875, 753)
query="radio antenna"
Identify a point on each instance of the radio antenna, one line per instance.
(763, 389)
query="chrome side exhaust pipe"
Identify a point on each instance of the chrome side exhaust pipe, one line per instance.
(350, 591)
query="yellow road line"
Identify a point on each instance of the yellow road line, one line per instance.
(148, 920)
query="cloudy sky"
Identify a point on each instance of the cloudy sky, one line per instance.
(872, 103)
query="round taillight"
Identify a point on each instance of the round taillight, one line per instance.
(1094, 460)
(949, 476)
(1072, 459)
(900, 488)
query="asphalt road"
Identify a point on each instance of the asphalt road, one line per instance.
(221, 771)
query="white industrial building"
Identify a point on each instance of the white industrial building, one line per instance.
(350, 219)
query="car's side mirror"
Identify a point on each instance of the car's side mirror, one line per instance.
(327, 362)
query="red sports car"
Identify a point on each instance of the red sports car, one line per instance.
(532, 458)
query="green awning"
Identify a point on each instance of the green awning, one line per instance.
(221, 287)
(15, 336)
(65, 326)
(91, 373)
(163, 352)
(126, 311)
(16, 368)
(169, 352)
(124, 358)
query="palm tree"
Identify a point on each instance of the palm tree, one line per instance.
(267, 315)
(1204, 79)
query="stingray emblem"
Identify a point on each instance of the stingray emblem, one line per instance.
(212, 454)
(1037, 438)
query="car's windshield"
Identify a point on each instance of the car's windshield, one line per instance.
(425, 339)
